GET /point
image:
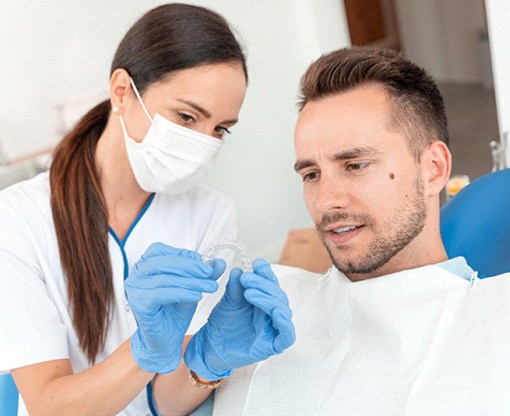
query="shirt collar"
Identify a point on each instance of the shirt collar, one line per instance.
(458, 266)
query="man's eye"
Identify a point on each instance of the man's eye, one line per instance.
(310, 176)
(357, 166)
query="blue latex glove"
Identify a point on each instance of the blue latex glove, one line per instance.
(163, 290)
(251, 322)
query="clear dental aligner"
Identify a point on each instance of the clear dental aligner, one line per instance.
(239, 250)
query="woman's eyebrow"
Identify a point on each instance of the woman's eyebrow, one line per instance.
(203, 111)
(197, 107)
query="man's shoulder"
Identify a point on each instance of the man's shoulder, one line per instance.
(501, 280)
(283, 271)
(295, 278)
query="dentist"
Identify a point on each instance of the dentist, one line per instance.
(95, 301)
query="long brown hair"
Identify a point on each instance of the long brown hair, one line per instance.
(168, 38)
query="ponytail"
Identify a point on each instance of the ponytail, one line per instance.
(81, 225)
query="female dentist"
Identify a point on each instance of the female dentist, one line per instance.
(95, 301)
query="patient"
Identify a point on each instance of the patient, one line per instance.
(395, 327)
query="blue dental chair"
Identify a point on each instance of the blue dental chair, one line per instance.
(8, 396)
(475, 224)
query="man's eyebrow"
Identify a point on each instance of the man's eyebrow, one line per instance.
(204, 112)
(355, 153)
(301, 164)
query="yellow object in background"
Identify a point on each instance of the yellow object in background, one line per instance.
(455, 184)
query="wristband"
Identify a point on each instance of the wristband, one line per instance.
(201, 384)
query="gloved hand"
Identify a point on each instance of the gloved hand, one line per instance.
(251, 322)
(163, 290)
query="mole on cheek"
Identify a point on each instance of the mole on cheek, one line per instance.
(392, 176)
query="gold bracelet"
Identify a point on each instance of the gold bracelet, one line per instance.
(195, 380)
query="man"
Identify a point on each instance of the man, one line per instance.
(395, 327)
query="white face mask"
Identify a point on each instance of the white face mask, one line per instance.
(171, 158)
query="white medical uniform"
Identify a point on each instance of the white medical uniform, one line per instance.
(35, 321)
(420, 342)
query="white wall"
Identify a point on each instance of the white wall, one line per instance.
(51, 51)
(498, 16)
(443, 37)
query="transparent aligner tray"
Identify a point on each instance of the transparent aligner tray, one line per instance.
(241, 253)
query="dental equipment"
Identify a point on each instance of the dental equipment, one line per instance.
(239, 250)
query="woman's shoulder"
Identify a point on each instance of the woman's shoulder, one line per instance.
(27, 198)
(26, 219)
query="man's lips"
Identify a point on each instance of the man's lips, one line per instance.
(344, 229)
(340, 227)
(341, 233)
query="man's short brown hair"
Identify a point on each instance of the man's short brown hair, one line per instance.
(417, 105)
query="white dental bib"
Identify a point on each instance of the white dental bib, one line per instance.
(418, 342)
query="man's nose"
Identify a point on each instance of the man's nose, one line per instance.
(332, 194)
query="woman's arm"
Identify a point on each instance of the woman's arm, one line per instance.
(51, 388)
(162, 289)
(104, 389)
(173, 394)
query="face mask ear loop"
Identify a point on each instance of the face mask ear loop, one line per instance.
(140, 99)
(123, 126)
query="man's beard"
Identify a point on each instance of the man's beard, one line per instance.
(390, 238)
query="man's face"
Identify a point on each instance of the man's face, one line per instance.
(362, 186)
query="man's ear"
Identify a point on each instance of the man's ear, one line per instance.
(120, 84)
(436, 161)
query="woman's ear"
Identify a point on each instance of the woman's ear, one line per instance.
(120, 84)
(437, 165)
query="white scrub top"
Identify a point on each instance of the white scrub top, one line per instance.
(35, 322)
(416, 343)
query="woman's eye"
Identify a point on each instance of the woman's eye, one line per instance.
(185, 118)
(220, 131)
(357, 166)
